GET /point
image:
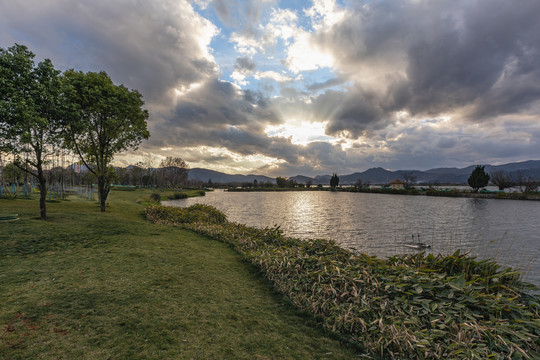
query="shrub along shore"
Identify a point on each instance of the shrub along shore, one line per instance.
(405, 307)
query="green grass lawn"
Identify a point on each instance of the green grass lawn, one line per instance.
(92, 285)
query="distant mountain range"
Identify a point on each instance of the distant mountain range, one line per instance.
(376, 175)
(219, 177)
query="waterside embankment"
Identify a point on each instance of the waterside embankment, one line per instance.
(416, 306)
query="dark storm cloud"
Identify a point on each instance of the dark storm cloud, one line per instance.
(256, 97)
(292, 92)
(150, 53)
(326, 84)
(245, 14)
(248, 142)
(446, 143)
(317, 158)
(206, 115)
(244, 64)
(353, 114)
(222, 8)
(472, 59)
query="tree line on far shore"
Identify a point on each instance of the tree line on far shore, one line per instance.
(477, 180)
(503, 180)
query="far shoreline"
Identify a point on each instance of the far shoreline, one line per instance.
(414, 191)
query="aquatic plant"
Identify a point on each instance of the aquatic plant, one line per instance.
(177, 196)
(155, 197)
(186, 194)
(405, 307)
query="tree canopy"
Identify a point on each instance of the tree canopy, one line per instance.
(478, 179)
(104, 119)
(31, 108)
(283, 182)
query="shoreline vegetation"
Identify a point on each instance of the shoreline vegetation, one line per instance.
(411, 306)
(415, 191)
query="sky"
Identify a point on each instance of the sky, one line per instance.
(282, 88)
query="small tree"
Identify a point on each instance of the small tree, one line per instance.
(174, 171)
(501, 179)
(12, 174)
(526, 183)
(106, 119)
(478, 179)
(282, 182)
(410, 180)
(334, 181)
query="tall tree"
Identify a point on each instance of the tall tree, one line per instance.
(174, 171)
(334, 181)
(478, 179)
(31, 107)
(106, 119)
(501, 179)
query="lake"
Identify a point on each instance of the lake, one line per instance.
(382, 225)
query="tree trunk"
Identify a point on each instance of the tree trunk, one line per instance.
(42, 192)
(103, 192)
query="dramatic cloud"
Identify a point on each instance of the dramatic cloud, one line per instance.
(152, 53)
(471, 60)
(310, 86)
(212, 114)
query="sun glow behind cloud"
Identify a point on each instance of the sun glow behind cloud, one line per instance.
(183, 90)
(222, 159)
(300, 132)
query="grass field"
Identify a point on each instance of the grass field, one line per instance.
(92, 285)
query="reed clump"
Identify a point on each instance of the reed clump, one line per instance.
(178, 196)
(405, 307)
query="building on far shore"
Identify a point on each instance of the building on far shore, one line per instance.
(397, 184)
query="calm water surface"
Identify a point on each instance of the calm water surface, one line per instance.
(380, 224)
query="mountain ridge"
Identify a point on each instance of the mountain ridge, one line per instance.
(376, 175)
